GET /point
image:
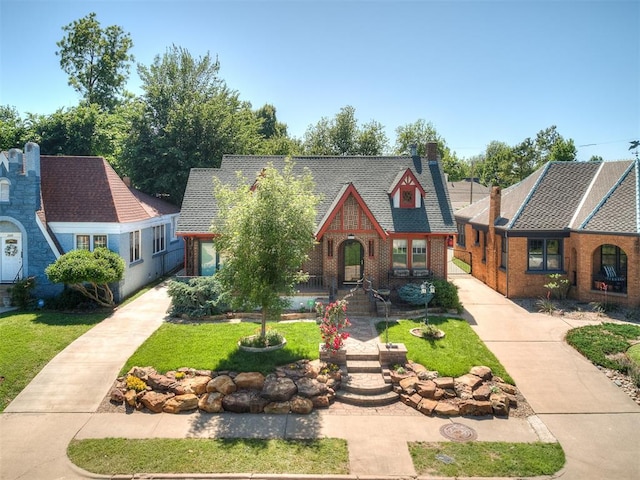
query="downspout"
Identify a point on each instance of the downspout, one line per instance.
(506, 239)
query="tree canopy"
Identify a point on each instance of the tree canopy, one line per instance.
(96, 59)
(264, 232)
(89, 272)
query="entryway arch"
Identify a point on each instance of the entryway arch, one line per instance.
(11, 253)
(350, 262)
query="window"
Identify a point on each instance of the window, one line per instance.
(330, 248)
(477, 236)
(419, 253)
(612, 256)
(174, 228)
(545, 254)
(134, 246)
(407, 197)
(461, 238)
(372, 244)
(5, 186)
(484, 246)
(503, 251)
(158, 239)
(90, 242)
(399, 253)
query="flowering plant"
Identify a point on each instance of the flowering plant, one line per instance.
(334, 321)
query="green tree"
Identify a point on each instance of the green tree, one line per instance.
(97, 60)
(89, 272)
(265, 231)
(343, 136)
(186, 118)
(13, 130)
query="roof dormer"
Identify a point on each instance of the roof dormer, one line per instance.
(406, 191)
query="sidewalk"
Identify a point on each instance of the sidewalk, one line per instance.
(597, 425)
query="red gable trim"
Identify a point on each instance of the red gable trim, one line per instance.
(350, 190)
(407, 179)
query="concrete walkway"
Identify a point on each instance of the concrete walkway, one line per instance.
(597, 424)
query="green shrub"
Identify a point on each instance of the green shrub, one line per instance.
(135, 383)
(70, 299)
(603, 344)
(21, 292)
(446, 295)
(197, 297)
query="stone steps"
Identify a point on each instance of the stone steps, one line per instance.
(363, 383)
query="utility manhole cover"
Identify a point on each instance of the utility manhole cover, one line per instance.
(458, 432)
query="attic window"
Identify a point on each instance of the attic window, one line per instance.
(5, 186)
(407, 197)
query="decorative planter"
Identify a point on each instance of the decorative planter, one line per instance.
(417, 332)
(270, 348)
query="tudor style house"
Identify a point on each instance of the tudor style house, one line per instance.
(383, 218)
(577, 219)
(50, 205)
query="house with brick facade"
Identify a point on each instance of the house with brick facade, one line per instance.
(383, 218)
(577, 219)
(50, 205)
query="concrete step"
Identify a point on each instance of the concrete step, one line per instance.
(378, 400)
(363, 366)
(370, 384)
(362, 356)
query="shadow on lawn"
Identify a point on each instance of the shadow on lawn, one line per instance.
(67, 318)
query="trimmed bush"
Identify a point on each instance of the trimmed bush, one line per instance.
(446, 295)
(197, 297)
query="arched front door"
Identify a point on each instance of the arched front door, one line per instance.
(352, 261)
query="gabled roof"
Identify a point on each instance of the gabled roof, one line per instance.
(584, 196)
(87, 189)
(371, 177)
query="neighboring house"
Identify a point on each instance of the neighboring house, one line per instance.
(578, 219)
(50, 205)
(384, 218)
(465, 192)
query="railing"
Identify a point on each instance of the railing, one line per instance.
(314, 282)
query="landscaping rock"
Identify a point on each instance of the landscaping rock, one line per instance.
(444, 382)
(155, 401)
(196, 385)
(244, 401)
(483, 372)
(409, 383)
(483, 392)
(301, 405)
(279, 389)
(446, 409)
(500, 404)
(211, 402)
(321, 401)
(142, 372)
(131, 397)
(249, 380)
(427, 405)
(506, 388)
(116, 396)
(472, 381)
(426, 389)
(277, 407)
(223, 384)
(181, 403)
(310, 387)
(475, 408)
(163, 383)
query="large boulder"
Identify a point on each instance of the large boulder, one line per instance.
(427, 405)
(409, 383)
(426, 389)
(481, 371)
(279, 389)
(476, 408)
(162, 383)
(211, 402)
(472, 381)
(249, 380)
(310, 387)
(446, 409)
(444, 382)
(244, 401)
(155, 401)
(223, 384)
(181, 403)
(277, 408)
(196, 385)
(301, 405)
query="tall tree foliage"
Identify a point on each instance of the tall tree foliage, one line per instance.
(342, 135)
(265, 231)
(187, 117)
(13, 129)
(96, 59)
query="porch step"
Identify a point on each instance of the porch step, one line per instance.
(364, 366)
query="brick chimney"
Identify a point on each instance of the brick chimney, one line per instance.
(127, 181)
(432, 151)
(492, 247)
(495, 201)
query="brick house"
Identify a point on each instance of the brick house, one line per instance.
(50, 205)
(578, 219)
(384, 218)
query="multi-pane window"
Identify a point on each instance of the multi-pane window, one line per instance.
(372, 251)
(545, 254)
(461, 237)
(5, 186)
(134, 246)
(400, 253)
(419, 253)
(614, 257)
(90, 242)
(158, 239)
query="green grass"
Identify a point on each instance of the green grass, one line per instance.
(451, 356)
(599, 342)
(30, 340)
(634, 353)
(213, 346)
(113, 456)
(487, 459)
(465, 267)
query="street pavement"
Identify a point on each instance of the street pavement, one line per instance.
(596, 423)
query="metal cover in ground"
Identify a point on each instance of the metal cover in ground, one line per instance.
(458, 432)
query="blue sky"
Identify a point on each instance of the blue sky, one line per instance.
(478, 70)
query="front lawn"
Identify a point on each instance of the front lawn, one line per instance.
(30, 340)
(113, 456)
(451, 356)
(213, 346)
(601, 343)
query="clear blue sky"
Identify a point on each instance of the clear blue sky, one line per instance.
(478, 70)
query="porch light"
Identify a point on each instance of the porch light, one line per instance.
(351, 236)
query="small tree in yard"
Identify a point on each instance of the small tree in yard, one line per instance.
(89, 272)
(265, 232)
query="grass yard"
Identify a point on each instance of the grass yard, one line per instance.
(599, 343)
(213, 346)
(30, 340)
(114, 456)
(486, 459)
(451, 356)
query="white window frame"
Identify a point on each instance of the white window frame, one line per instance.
(135, 246)
(159, 238)
(92, 240)
(5, 190)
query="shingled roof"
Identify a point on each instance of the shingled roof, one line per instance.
(598, 197)
(87, 189)
(372, 177)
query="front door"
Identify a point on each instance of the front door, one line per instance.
(353, 261)
(10, 257)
